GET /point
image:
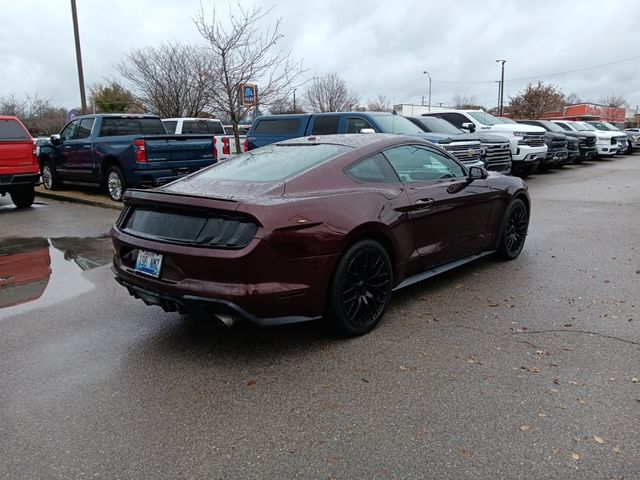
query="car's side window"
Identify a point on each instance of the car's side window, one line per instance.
(455, 118)
(563, 125)
(415, 163)
(84, 130)
(69, 132)
(375, 169)
(356, 124)
(326, 125)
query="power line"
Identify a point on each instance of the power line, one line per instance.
(540, 76)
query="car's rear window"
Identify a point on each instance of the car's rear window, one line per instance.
(272, 163)
(279, 126)
(113, 126)
(202, 126)
(12, 130)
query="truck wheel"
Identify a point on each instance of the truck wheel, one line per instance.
(23, 197)
(115, 184)
(50, 178)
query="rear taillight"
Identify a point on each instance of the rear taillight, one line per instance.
(141, 150)
(246, 145)
(226, 148)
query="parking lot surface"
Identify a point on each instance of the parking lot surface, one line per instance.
(525, 369)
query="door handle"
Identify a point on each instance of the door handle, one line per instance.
(424, 201)
(86, 146)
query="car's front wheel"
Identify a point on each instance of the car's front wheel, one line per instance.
(514, 230)
(115, 183)
(361, 288)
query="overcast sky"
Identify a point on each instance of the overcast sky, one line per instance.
(377, 47)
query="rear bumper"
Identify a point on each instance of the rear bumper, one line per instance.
(257, 282)
(8, 182)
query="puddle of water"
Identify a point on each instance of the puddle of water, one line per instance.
(38, 272)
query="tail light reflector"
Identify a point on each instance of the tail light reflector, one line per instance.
(141, 150)
(226, 148)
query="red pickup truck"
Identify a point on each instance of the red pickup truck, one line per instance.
(19, 169)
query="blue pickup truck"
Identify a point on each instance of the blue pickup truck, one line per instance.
(275, 128)
(121, 151)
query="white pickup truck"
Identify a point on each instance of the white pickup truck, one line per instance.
(225, 145)
(527, 142)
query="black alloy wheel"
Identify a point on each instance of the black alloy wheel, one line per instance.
(361, 288)
(514, 231)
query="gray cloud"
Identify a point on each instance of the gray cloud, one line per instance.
(377, 47)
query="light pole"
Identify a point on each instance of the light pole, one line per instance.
(501, 106)
(294, 100)
(499, 91)
(76, 34)
(427, 74)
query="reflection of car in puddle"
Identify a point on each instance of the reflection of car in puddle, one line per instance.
(24, 270)
(33, 272)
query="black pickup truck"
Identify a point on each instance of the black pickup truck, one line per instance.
(121, 151)
(587, 140)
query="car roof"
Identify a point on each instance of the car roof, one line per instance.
(353, 140)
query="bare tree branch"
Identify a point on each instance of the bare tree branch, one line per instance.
(243, 52)
(329, 93)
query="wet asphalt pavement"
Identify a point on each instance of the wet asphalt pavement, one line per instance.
(527, 369)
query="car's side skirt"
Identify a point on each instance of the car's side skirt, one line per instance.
(431, 272)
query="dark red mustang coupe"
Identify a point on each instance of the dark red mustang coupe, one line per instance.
(314, 227)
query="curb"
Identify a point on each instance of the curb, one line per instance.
(76, 197)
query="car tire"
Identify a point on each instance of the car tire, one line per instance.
(514, 230)
(115, 183)
(50, 178)
(360, 289)
(23, 197)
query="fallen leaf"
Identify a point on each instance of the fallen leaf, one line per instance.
(524, 428)
(575, 456)
(634, 380)
(466, 454)
(403, 368)
(581, 401)
(420, 435)
(568, 325)
(250, 383)
(293, 450)
(615, 450)
(598, 439)
(365, 380)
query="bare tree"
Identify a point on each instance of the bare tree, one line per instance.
(536, 100)
(615, 101)
(329, 93)
(464, 101)
(171, 80)
(38, 114)
(284, 105)
(572, 99)
(241, 52)
(379, 104)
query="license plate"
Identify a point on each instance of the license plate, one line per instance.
(149, 263)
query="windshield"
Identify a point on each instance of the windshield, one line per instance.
(611, 126)
(485, 118)
(438, 125)
(580, 127)
(586, 126)
(552, 127)
(272, 163)
(397, 124)
(602, 126)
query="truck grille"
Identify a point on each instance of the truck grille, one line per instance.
(588, 142)
(496, 153)
(465, 152)
(573, 146)
(558, 145)
(533, 139)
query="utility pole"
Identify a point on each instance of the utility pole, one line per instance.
(76, 34)
(501, 106)
(427, 74)
(294, 100)
(499, 93)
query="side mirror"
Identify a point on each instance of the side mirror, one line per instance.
(470, 126)
(477, 173)
(55, 139)
(367, 130)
